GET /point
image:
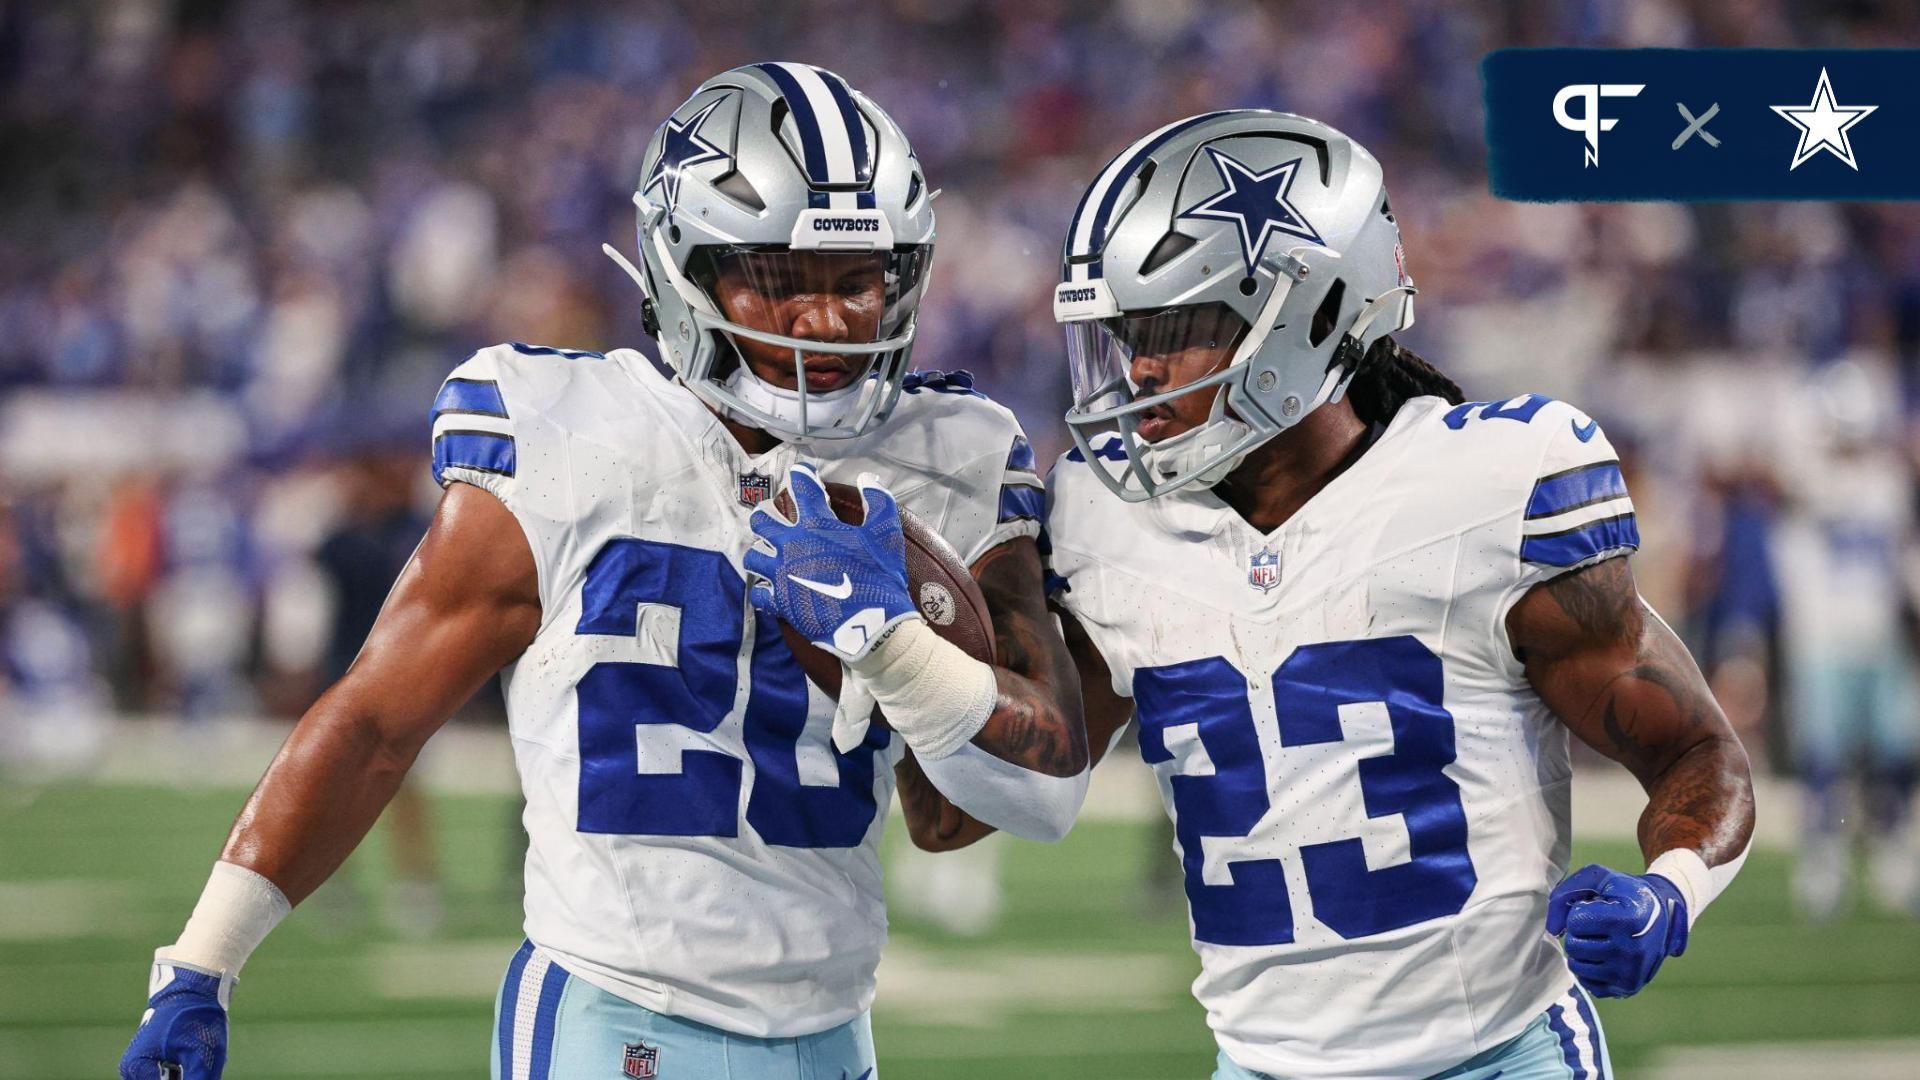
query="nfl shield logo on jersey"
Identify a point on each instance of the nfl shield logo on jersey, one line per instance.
(642, 1061)
(754, 489)
(1263, 569)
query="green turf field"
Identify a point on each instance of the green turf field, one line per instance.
(1076, 982)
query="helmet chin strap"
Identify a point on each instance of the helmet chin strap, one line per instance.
(1203, 448)
(823, 409)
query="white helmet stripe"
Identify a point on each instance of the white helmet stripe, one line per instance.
(1090, 217)
(834, 136)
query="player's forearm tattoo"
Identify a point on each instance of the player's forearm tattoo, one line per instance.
(920, 800)
(1657, 717)
(1037, 721)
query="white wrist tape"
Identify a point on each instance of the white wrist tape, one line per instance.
(1006, 796)
(236, 911)
(1699, 884)
(937, 697)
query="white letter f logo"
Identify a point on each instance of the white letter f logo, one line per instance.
(1589, 122)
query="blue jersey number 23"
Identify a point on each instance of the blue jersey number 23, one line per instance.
(1211, 696)
(619, 699)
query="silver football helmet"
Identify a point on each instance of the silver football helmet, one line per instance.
(784, 219)
(1257, 249)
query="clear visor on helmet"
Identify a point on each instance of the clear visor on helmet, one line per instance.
(1124, 363)
(821, 338)
(1157, 379)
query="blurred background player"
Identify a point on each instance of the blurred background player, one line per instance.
(1846, 562)
(688, 914)
(359, 559)
(1355, 618)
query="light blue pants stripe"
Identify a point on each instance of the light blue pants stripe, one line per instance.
(1563, 1043)
(551, 1026)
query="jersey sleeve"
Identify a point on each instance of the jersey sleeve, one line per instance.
(494, 428)
(1576, 511)
(1079, 513)
(1023, 498)
(981, 455)
(473, 427)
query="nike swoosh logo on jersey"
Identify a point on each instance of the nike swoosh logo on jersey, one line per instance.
(1585, 434)
(831, 592)
(862, 1076)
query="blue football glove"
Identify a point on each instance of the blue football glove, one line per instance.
(1619, 927)
(183, 1036)
(841, 586)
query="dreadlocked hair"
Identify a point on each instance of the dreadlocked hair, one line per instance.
(1389, 374)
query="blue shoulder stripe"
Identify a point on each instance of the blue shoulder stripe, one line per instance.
(1019, 501)
(1020, 458)
(546, 350)
(1111, 450)
(471, 397)
(957, 381)
(1574, 488)
(1574, 546)
(482, 451)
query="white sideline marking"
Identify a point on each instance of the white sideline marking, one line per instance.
(475, 760)
(996, 985)
(1862, 1059)
(60, 908)
(452, 970)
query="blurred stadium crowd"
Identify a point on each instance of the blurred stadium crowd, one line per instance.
(240, 243)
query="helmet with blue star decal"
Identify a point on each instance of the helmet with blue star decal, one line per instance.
(1221, 279)
(785, 233)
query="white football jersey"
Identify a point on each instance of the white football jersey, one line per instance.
(696, 844)
(1369, 800)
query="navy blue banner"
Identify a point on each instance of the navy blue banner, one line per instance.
(1600, 125)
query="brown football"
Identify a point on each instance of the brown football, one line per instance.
(941, 584)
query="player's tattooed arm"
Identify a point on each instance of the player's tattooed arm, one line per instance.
(933, 822)
(1613, 671)
(467, 603)
(1036, 722)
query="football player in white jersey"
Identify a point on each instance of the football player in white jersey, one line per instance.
(1355, 619)
(703, 884)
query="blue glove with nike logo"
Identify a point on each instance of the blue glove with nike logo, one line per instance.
(183, 1035)
(841, 586)
(1619, 927)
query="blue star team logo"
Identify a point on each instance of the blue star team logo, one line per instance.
(1823, 125)
(1257, 204)
(680, 147)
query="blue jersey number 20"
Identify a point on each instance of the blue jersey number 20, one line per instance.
(698, 692)
(1211, 696)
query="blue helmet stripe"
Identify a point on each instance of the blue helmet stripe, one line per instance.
(812, 144)
(850, 116)
(1111, 196)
